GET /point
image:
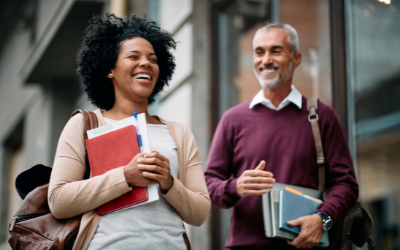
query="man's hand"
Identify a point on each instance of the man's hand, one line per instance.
(310, 233)
(253, 182)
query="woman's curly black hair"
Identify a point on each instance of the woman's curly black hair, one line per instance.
(99, 52)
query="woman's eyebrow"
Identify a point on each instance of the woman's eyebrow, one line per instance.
(132, 51)
(135, 51)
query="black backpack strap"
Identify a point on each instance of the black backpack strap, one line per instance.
(90, 121)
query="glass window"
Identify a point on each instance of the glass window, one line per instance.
(237, 25)
(374, 108)
(311, 20)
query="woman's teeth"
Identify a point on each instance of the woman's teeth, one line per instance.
(142, 76)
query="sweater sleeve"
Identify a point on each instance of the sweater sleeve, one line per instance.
(340, 175)
(69, 195)
(189, 195)
(221, 186)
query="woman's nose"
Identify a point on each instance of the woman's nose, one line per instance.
(144, 63)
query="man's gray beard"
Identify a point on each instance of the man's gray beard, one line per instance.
(279, 80)
(272, 85)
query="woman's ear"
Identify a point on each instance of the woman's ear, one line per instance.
(110, 75)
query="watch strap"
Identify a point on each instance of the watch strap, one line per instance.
(323, 216)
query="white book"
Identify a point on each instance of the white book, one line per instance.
(141, 128)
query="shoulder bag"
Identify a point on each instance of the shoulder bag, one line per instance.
(33, 226)
(357, 224)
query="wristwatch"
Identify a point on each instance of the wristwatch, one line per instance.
(327, 221)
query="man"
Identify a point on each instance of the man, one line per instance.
(269, 139)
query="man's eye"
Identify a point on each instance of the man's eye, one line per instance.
(277, 51)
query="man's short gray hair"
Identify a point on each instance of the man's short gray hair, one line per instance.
(293, 38)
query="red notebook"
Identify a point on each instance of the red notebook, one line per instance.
(112, 150)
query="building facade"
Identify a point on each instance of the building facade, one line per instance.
(351, 60)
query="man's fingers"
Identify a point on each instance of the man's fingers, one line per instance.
(310, 233)
(260, 166)
(298, 242)
(257, 186)
(255, 180)
(257, 173)
(294, 223)
(255, 192)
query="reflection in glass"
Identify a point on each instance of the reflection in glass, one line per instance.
(374, 94)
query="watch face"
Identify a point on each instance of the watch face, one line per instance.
(328, 224)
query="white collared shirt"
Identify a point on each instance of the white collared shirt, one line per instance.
(294, 96)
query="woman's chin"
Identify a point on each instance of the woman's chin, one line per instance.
(141, 97)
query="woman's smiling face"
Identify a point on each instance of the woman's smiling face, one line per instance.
(136, 72)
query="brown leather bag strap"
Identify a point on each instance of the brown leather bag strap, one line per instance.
(312, 106)
(89, 120)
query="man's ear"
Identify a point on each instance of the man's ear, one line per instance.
(110, 75)
(297, 59)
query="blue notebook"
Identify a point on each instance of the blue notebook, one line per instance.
(293, 206)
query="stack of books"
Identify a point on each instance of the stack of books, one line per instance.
(283, 204)
(115, 145)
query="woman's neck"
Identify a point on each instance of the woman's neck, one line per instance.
(122, 110)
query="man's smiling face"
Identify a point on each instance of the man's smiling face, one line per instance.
(273, 58)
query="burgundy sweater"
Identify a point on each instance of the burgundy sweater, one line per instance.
(285, 141)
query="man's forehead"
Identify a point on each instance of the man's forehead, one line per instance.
(270, 38)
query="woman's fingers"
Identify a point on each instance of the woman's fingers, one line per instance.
(156, 167)
(153, 161)
(152, 168)
(164, 180)
(135, 159)
(155, 154)
(134, 177)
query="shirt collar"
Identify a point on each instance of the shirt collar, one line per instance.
(294, 97)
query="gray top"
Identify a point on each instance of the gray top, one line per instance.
(155, 225)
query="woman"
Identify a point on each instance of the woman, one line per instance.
(123, 65)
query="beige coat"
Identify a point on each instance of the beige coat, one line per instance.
(70, 196)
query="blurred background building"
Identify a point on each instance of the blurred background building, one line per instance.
(351, 60)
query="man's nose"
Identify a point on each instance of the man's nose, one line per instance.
(267, 59)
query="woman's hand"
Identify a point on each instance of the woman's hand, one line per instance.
(134, 176)
(156, 167)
